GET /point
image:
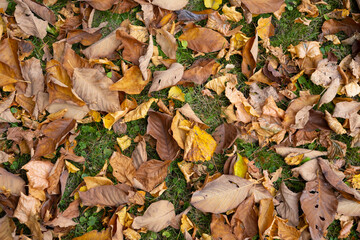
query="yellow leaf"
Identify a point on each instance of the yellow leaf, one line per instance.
(333, 38)
(156, 192)
(131, 234)
(176, 93)
(240, 167)
(231, 13)
(124, 142)
(95, 115)
(356, 181)
(199, 145)
(238, 40)
(179, 133)
(71, 167)
(294, 159)
(265, 29)
(112, 118)
(186, 224)
(95, 235)
(187, 169)
(334, 124)
(131, 83)
(214, 4)
(92, 182)
(217, 84)
(140, 111)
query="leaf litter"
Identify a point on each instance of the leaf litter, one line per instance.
(87, 78)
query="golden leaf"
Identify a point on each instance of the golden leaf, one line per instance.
(140, 111)
(187, 169)
(131, 234)
(214, 4)
(176, 93)
(199, 145)
(92, 182)
(186, 223)
(240, 167)
(334, 124)
(124, 142)
(71, 167)
(112, 118)
(217, 84)
(265, 29)
(294, 159)
(231, 13)
(356, 181)
(95, 115)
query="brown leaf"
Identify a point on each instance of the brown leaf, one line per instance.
(123, 168)
(167, 42)
(200, 70)
(335, 180)
(348, 207)
(159, 128)
(27, 211)
(334, 124)
(12, 183)
(325, 73)
(250, 53)
(93, 87)
(38, 173)
(7, 226)
(42, 11)
(305, 137)
(132, 82)
(222, 194)
(27, 21)
(54, 176)
(133, 48)
(266, 215)
(262, 6)
(145, 59)
(54, 133)
(284, 151)
(139, 155)
(150, 174)
(156, 217)
(218, 23)
(190, 114)
(346, 109)
(64, 219)
(331, 92)
(285, 231)
(307, 171)
(204, 40)
(319, 204)
(167, 78)
(288, 207)
(107, 195)
(32, 72)
(225, 136)
(348, 26)
(101, 5)
(95, 235)
(172, 5)
(219, 229)
(244, 221)
(105, 48)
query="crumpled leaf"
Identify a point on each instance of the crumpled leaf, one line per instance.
(225, 136)
(218, 84)
(231, 14)
(124, 142)
(307, 171)
(38, 173)
(167, 78)
(93, 87)
(309, 55)
(156, 217)
(288, 207)
(325, 73)
(309, 8)
(140, 112)
(262, 6)
(250, 53)
(150, 174)
(220, 229)
(204, 40)
(199, 145)
(7, 226)
(123, 168)
(222, 194)
(265, 29)
(132, 82)
(319, 204)
(27, 21)
(139, 155)
(334, 124)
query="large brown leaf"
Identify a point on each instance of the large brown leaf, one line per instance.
(27, 21)
(167, 42)
(319, 204)
(156, 217)
(346, 109)
(348, 26)
(38, 173)
(158, 127)
(150, 174)
(262, 6)
(288, 207)
(219, 228)
(12, 183)
(335, 180)
(32, 72)
(167, 78)
(139, 155)
(172, 5)
(101, 5)
(348, 207)
(132, 82)
(249, 53)
(201, 70)
(107, 195)
(133, 48)
(266, 215)
(7, 227)
(222, 194)
(204, 40)
(42, 11)
(244, 221)
(93, 87)
(95, 235)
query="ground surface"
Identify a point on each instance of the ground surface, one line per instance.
(96, 143)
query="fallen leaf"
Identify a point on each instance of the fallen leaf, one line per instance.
(156, 217)
(262, 6)
(288, 207)
(331, 92)
(27, 21)
(348, 26)
(308, 153)
(214, 4)
(346, 109)
(348, 207)
(167, 78)
(265, 29)
(176, 93)
(10, 183)
(124, 142)
(93, 87)
(95, 235)
(133, 49)
(218, 84)
(309, 8)
(204, 40)
(220, 229)
(222, 194)
(225, 136)
(123, 168)
(250, 54)
(218, 23)
(199, 145)
(319, 204)
(325, 73)
(132, 82)
(150, 174)
(171, 5)
(231, 14)
(140, 112)
(334, 124)
(42, 11)
(201, 70)
(308, 170)
(266, 215)
(71, 167)
(101, 5)
(244, 221)
(93, 182)
(139, 155)
(7, 226)
(145, 59)
(38, 173)
(167, 42)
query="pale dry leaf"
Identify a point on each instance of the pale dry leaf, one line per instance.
(325, 73)
(334, 124)
(11, 183)
(331, 92)
(7, 226)
(123, 168)
(346, 109)
(222, 194)
(288, 207)
(156, 217)
(167, 78)
(167, 42)
(145, 59)
(171, 5)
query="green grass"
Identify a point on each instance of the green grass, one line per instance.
(96, 144)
